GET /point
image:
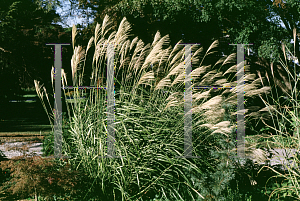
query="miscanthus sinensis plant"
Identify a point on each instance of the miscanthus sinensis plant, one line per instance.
(285, 113)
(149, 119)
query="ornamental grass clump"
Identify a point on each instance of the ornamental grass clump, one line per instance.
(285, 114)
(149, 120)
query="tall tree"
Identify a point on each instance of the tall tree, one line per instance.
(289, 13)
(47, 5)
(25, 29)
(203, 21)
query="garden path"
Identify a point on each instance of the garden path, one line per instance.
(13, 149)
(278, 157)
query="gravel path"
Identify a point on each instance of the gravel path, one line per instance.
(275, 156)
(12, 149)
(281, 156)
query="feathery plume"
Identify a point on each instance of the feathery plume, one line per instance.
(74, 33)
(52, 76)
(77, 57)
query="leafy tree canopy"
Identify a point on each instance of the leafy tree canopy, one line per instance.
(25, 28)
(251, 21)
